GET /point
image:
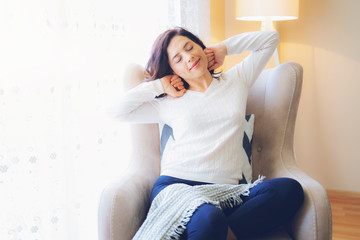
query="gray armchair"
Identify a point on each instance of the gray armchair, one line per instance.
(274, 99)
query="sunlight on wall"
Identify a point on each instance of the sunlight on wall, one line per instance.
(328, 97)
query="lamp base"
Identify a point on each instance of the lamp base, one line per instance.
(267, 24)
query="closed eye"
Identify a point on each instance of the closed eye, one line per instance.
(190, 48)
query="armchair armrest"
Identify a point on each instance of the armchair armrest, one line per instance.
(314, 219)
(123, 206)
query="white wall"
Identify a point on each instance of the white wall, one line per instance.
(325, 41)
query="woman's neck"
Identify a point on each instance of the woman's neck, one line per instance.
(200, 84)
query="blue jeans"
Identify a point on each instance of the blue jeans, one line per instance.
(269, 205)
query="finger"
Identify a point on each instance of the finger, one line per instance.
(211, 63)
(211, 58)
(174, 77)
(176, 80)
(212, 67)
(180, 88)
(210, 54)
(216, 65)
(208, 51)
(180, 93)
(176, 85)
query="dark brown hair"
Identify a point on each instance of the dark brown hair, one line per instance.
(158, 65)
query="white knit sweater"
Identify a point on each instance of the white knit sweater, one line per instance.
(208, 126)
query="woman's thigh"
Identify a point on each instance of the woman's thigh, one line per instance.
(163, 181)
(268, 206)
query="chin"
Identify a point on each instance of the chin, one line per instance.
(202, 69)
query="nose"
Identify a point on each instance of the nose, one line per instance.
(188, 57)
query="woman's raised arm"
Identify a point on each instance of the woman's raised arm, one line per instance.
(138, 104)
(261, 44)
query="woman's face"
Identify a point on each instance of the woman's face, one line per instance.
(186, 58)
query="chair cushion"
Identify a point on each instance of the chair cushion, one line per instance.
(167, 138)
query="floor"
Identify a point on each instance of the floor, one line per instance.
(346, 214)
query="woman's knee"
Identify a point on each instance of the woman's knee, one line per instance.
(207, 222)
(295, 191)
(289, 191)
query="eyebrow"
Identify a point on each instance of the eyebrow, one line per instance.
(183, 48)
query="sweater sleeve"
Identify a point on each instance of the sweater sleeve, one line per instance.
(138, 105)
(261, 44)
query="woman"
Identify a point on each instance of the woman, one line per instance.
(207, 112)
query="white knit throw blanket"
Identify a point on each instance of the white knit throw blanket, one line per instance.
(173, 207)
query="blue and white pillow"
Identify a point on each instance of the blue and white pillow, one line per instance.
(167, 137)
(247, 143)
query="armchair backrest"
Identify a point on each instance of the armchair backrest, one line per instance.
(274, 99)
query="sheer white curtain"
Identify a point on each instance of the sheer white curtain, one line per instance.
(193, 15)
(59, 59)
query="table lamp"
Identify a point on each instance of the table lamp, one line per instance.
(267, 11)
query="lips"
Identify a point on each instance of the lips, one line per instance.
(195, 64)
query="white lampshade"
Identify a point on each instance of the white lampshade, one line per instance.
(261, 10)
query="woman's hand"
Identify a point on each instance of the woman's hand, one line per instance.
(173, 85)
(216, 55)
